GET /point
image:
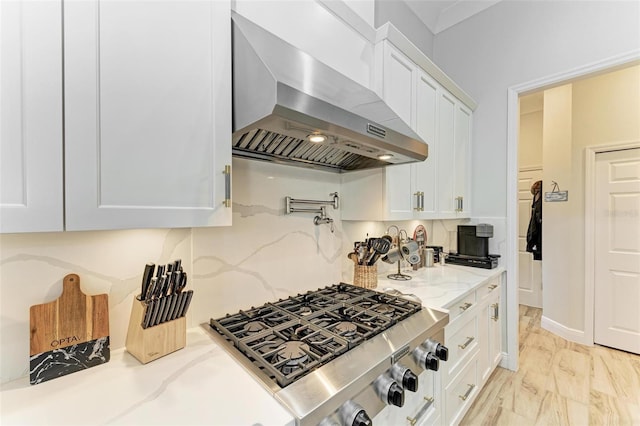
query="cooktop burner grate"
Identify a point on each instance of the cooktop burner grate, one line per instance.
(292, 337)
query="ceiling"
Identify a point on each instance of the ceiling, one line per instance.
(438, 15)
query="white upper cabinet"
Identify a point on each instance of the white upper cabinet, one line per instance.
(446, 155)
(436, 188)
(147, 115)
(31, 116)
(462, 159)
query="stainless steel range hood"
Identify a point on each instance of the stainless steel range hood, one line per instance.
(282, 95)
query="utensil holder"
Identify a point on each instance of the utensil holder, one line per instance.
(365, 276)
(149, 344)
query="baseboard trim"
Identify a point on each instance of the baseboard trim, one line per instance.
(568, 333)
(504, 362)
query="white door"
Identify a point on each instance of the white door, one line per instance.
(147, 113)
(529, 270)
(617, 250)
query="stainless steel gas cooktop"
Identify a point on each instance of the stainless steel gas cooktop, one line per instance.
(324, 354)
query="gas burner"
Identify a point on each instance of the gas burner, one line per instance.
(253, 327)
(384, 309)
(294, 354)
(346, 328)
(304, 311)
(342, 296)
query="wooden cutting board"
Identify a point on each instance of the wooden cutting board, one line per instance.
(69, 334)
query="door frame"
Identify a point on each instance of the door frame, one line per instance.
(589, 230)
(513, 93)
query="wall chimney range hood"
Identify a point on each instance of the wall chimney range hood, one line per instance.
(283, 97)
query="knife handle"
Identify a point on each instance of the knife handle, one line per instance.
(182, 284)
(177, 265)
(151, 289)
(160, 270)
(159, 291)
(184, 310)
(148, 310)
(176, 282)
(146, 279)
(154, 314)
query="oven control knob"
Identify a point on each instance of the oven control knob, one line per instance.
(410, 381)
(362, 419)
(389, 391)
(426, 359)
(439, 350)
(353, 414)
(432, 362)
(396, 395)
(406, 377)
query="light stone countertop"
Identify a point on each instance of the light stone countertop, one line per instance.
(439, 286)
(200, 384)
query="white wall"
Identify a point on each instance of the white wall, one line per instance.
(530, 140)
(514, 42)
(402, 17)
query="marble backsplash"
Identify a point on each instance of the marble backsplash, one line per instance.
(264, 256)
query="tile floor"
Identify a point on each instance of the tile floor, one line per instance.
(560, 383)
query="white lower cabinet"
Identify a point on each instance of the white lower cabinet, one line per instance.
(460, 393)
(474, 339)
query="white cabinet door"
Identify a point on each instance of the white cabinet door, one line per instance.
(398, 83)
(147, 113)
(426, 120)
(462, 139)
(400, 192)
(31, 195)
(446, 153)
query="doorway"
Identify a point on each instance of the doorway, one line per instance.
(529, 172)
(574, 322)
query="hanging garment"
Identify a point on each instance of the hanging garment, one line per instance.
(534, 233)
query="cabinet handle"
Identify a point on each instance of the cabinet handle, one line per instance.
(496, 312)
(466, 395)
(419, 201)
(493, 287)
(227, 185)
(425, 407)
(466, 306)
(467, 343)
(461, 204)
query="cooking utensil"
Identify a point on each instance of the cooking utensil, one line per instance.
(69, 334)
(380, 246)
(354, 257)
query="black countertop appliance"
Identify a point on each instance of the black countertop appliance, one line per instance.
(473, 247)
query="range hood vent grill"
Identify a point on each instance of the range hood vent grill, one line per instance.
(260, 144)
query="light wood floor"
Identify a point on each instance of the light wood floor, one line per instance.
(560, 383)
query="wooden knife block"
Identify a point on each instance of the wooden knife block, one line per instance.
(151, 343)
